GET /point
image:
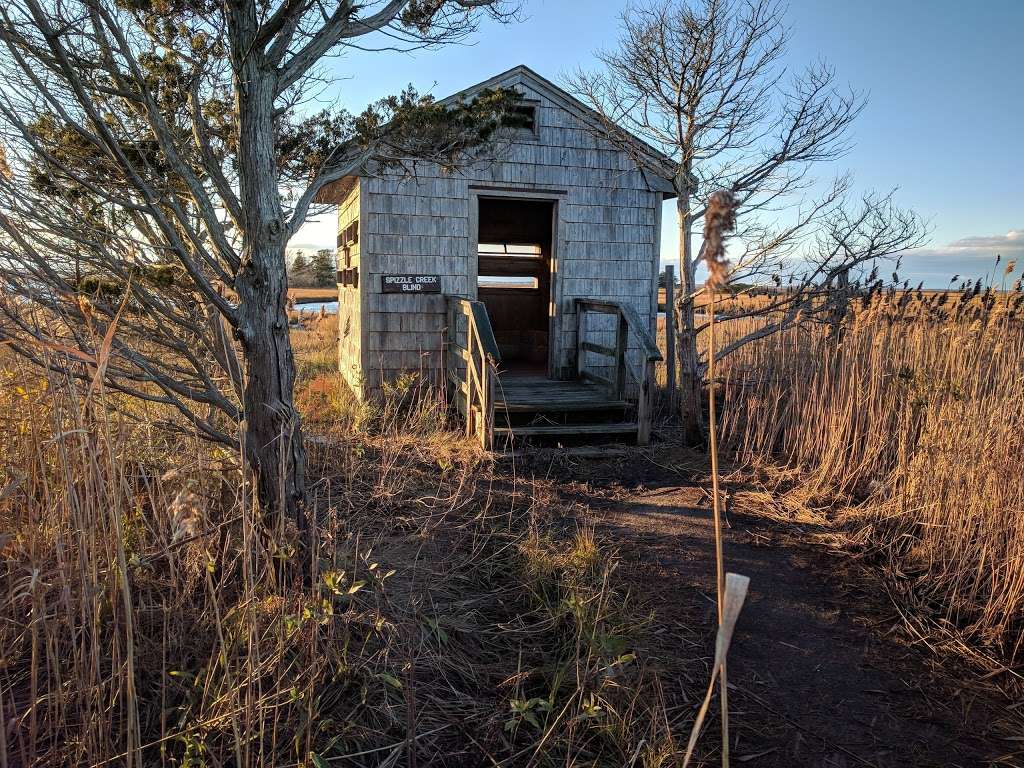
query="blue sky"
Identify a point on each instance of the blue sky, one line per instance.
(944, 120)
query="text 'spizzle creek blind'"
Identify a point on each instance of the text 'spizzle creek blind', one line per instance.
(411, 283)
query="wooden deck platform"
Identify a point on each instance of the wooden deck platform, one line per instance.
(539, 394)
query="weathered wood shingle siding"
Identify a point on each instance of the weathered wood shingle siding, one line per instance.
(350, 325)
(606, 245)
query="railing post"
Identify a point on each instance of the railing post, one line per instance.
(621, 346)
(451, 341)
(470, 367)
(645, 405)
(487, 434)
(581, 325)
(670, 335)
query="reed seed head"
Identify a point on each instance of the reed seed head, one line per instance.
(719, 220)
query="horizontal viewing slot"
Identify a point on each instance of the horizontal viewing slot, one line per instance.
(507, 281)
(521, 250)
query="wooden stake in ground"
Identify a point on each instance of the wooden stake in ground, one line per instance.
(735, 592)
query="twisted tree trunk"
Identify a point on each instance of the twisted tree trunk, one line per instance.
(273, 429)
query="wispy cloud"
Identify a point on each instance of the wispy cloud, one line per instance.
(1011, 241)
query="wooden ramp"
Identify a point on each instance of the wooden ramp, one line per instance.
(502, 409)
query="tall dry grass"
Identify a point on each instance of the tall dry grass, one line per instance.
(144, 619)
(914, 419)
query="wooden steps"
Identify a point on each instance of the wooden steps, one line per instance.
(541, 394)
(535, 407)
(501, 406)
(567, 430)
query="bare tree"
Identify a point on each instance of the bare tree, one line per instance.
(702, 81)
(158, 157)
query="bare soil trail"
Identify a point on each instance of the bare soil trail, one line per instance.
(820, 673)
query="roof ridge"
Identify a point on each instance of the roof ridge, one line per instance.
(587, 113)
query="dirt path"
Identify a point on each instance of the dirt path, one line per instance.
(818, 675)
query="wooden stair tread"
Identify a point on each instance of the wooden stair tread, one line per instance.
(539, 430)
(525, 394)
(559, 405)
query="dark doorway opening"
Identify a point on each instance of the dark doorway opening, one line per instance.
(514, 279)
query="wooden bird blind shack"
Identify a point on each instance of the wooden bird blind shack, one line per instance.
(528, 285)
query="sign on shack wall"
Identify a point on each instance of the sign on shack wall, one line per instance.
(411, 283)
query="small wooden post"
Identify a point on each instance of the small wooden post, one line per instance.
(670, 335)
(492, 375)
(470, 368)
(450, 333)
(581, 323)
(621, 346)
(645, 405)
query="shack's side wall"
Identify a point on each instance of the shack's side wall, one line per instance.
(350, 304)
(605, 246)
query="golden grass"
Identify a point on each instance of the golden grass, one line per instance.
(914, 422)
(145, 618)
(744, 300)
(313, 294)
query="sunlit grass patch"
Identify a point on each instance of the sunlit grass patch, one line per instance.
(912, 420)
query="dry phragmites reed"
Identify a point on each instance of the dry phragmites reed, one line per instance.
(719, 219)
(186, 515)
(185, 511)
(85, 307)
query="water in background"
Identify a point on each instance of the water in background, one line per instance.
(331, 308)
(313, 307)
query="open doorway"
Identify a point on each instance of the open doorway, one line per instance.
(514, 279)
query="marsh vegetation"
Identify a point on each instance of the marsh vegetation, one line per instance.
(150, 616)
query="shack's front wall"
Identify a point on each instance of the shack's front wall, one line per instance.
(350, 324)
(605, 244)
(411, 228)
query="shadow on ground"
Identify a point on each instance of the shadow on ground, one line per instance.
(818, 675)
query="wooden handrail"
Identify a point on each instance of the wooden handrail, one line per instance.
(482, 321)
(472, 365)
(648, 344)
(629, 323)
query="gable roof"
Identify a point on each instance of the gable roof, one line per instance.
(523, 75)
